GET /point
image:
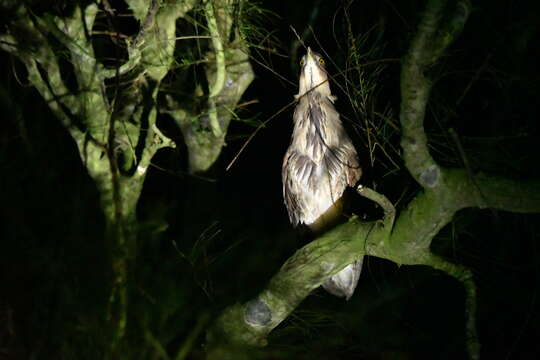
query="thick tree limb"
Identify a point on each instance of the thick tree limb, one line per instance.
(443, 194)
(103, 130)
(430, 41)
(408, 243)
(228, 74)
(250, 323)
(34, 56)
(217, 44)
(307, 269)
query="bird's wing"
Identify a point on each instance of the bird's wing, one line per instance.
(342, 166)
(296, 173)
(289, 196)
(353, 170)
(340, 156)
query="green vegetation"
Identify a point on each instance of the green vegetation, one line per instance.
(126, 238)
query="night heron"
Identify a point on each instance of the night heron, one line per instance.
(319, 164)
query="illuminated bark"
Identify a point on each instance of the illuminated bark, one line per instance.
(115, 130)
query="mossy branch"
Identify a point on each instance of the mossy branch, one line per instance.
(147, 24)
(408, 243)
(384, 203)
(133, 47)
(429, 43)
(248, 324)
(99, 128)
(228, 76)
(216, 84)
(30, 45)
(465, 277)
(71, 32)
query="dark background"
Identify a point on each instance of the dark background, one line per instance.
(228, 233)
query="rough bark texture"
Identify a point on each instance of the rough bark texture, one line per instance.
(229, 73)
(408, 240)
(115, 130)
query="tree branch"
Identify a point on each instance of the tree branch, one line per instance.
(133, 48)
(156, 140)
(465, 277)
(148, 22)
(408, 243)
(228, 77)
(250, 323)
(307, 269)
(32, 48)
(430, 41)
(446, 191)
(216, 84)
(211, 19)
(388, 208)
(157, 54)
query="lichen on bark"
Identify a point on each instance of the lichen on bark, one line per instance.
(114, 125)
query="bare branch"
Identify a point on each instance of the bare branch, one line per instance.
(216, 84)
(389, 210)
(431, 40)
(408, 243)
(43, 71)
(228, 75)
(133, 48)
(465, 277)
(148, 22)
(155, 140)
(217, 44)
(250, 323)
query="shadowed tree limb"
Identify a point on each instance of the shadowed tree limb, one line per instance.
(431, 40)
(407, 244)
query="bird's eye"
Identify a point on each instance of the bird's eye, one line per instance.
(321, 61)
(302, 62)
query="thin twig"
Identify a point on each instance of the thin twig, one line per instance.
(388, 208)
(255, 133)
(148, 22)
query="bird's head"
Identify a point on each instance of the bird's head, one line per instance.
(313, 74)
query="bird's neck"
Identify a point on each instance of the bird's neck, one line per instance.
(319, 85)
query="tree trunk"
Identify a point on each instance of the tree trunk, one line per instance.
(119, 205)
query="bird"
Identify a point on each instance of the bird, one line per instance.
(320, 163)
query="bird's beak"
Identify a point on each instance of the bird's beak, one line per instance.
(311, 63)
(309, 57)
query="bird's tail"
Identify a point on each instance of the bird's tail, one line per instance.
(344, 282)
